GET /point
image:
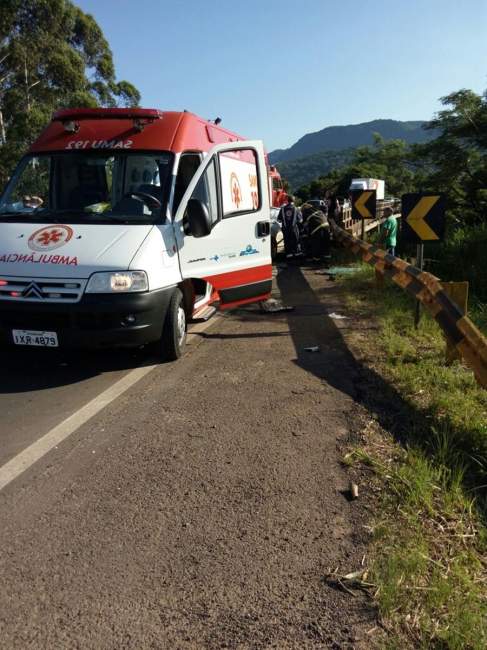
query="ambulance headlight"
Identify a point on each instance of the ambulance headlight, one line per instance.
(119, 282)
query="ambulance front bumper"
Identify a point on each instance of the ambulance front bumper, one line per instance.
(96, 321)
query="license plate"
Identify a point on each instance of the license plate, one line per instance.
(40, 339)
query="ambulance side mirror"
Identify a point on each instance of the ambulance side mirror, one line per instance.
(198, 218)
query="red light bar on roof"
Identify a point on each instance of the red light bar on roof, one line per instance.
(69, 114)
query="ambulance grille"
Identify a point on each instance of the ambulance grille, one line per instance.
(41, 291)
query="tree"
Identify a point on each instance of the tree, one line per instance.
(52, 55)
(456, 162)
(388, 160)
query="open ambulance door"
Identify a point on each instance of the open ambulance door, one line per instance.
(222, 224)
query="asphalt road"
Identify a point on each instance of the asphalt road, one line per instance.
(38, 389)
(203, 507)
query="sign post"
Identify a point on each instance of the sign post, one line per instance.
(364, 206)
(419, 263)
(423, 218)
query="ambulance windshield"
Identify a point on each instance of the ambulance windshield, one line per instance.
(86, 187)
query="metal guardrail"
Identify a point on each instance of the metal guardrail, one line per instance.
(459, 330)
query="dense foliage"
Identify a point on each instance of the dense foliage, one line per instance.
(303, 170)
(385, 159)
(52, 55)
(454, 162)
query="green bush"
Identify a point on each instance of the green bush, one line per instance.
(463, 256)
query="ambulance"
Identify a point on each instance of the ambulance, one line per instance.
(278, 192)
(122, 224)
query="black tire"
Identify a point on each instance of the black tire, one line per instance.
(173, 340)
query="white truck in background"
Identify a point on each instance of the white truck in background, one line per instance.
(369, 184)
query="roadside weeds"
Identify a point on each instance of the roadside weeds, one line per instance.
(425, 448)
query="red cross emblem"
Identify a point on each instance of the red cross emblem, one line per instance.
(236, 192)
(236, 195)
(47, 239)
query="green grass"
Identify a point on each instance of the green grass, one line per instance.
(452, 406)
(430, 543)
(428, 572)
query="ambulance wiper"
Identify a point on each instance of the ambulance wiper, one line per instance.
(54, 215)
(90, 217)
(58, 216)
(115, 219)
(29, 216)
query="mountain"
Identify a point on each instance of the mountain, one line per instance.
(303, 170)
(335, 138)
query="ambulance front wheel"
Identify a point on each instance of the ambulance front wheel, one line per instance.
(173, 339)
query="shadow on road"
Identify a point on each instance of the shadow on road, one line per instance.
(309, 325)
(255, 335)
(23, 370)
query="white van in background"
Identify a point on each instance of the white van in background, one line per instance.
(369, 184)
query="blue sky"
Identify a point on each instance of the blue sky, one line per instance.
(277, 69)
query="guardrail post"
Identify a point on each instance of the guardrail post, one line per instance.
(379, 279)
(458, 292)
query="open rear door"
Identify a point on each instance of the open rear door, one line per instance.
(235, 257)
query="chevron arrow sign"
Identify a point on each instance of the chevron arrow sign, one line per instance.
(363, 204)
(423, 217)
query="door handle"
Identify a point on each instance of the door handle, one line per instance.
(263, 228)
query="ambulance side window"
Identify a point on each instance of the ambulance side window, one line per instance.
(188, 164)
(206, 192)
(240, 182)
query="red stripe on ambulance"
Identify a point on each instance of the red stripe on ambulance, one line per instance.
(240, 277)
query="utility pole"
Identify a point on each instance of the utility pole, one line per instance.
(27, 86)
(3, 136)
(2, 129)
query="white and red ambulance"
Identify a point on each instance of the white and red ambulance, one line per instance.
(122, 224)
(278, 192)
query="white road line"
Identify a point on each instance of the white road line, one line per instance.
(39, 448)
(34, 452)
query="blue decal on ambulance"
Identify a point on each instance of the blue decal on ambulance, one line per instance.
(249, 250)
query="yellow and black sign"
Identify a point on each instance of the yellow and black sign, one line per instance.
(423, 217)
(364, 204)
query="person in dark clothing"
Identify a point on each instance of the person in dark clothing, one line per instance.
(306, 211)
(290, 219)
(334, 207)
(318, 231)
